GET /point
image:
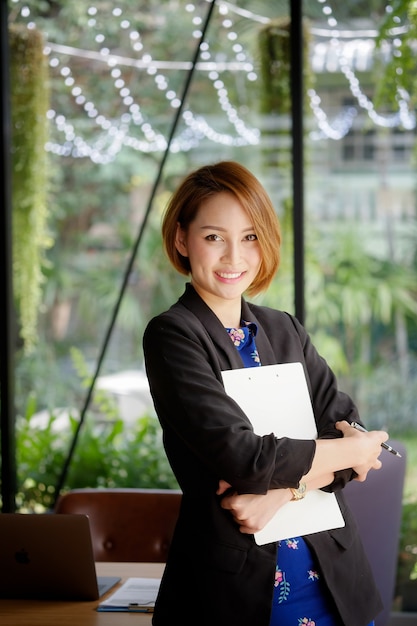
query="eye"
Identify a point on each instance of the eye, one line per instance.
(213, 237)
(251, 237)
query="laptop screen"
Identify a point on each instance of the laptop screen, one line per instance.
(48, 556)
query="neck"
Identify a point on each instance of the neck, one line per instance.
(229, 313)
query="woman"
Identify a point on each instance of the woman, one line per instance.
(220, 227)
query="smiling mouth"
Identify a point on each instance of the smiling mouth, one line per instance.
(230, 275)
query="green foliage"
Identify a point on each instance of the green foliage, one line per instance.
(399, 29)
(40, 450)
(275, 92)
(109, 452)
(29, 102)
(275, 60)
(394, 408)
(274, 46)
(120, 455)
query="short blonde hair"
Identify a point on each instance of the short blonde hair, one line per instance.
(238, 180)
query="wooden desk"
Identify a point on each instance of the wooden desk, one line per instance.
(63, 613)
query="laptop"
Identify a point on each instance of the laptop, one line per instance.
(49, 556)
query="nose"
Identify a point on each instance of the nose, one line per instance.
(232, 253)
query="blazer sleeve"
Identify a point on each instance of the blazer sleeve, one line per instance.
(184, 373)
(330, 405)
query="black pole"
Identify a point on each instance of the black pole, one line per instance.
(7, 327)
(297, 100)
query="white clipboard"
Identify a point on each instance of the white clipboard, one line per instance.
(276, 400)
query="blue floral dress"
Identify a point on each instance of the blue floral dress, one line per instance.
(301, 597)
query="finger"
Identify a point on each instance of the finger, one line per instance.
(360, 478)
(343, 425)
(223, 487)
(226, 504)
(245, 530)
(229, 503)
(385, 435)
(249, 529)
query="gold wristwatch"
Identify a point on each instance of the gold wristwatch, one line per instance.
(299, 493)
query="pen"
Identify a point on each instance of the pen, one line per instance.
(383, 444)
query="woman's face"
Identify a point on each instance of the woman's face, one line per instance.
(222, 248)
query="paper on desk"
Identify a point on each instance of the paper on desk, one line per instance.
(135, 595)
(276, 400)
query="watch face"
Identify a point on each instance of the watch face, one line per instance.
(299, 493)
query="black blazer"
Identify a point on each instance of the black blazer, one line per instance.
(215, 575)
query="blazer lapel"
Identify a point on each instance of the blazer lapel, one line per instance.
(229, 356)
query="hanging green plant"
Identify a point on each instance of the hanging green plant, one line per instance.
(398, 75)
(275, 95)
(29, 104)
(275, 54)
(275, 57)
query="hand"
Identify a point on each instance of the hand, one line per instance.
(253, 511)
(368, 448)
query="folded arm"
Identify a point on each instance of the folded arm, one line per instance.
(252, 512)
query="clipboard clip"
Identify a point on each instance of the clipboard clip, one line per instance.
(139, 608)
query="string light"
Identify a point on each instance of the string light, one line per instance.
(115, 133)
(340, 127)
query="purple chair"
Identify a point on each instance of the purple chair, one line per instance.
(377, 507)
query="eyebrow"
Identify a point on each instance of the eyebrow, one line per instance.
(212, 227)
